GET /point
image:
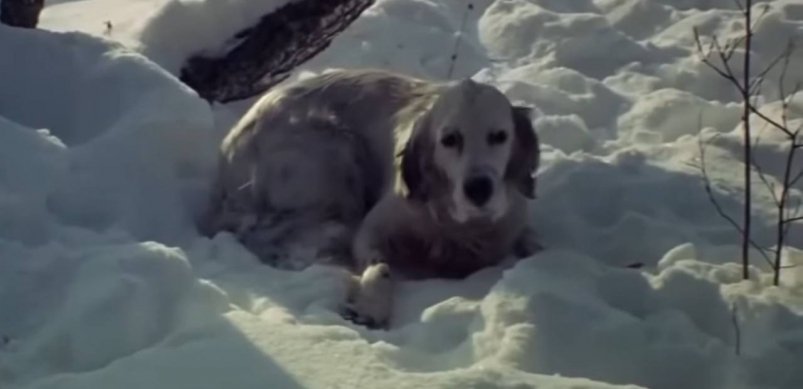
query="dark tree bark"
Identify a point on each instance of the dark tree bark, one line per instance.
(21, 13)
(265, 54)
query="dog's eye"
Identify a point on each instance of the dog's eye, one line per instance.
(497, 137)
(452, 139)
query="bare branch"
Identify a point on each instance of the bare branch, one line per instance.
(781, 87)
(764, 11)
(724, 56)
(783, 55)
(785, 119)
(750, 90)
(770, 186)
(755, 90)
(792, 214)
(782, 126)
(797, 178)
(726, 51)
(738, 41)
(736, 330)
(785, 220)
(698, 42)
(453, 58)
(769, 120)
(739, 5)
(748, 151)
(718, 207)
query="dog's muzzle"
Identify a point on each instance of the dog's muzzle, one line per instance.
(478, 189)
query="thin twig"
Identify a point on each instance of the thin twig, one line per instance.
(714, 46)
(764, 12)
(737, 331)
(769, 120)
(797, 178)
(782, 91)
(782, 55)
(791, 216)
(770, 186)
(718, 207)
(453, 58)
(739, 5)
(781, 206)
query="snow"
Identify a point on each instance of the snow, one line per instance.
(165, 30)
(105, 158)
(172, 33)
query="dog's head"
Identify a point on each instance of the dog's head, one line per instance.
(469, 153)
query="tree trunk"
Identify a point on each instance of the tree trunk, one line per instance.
(265, 54)
(21, 13)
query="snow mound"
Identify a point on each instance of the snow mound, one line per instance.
(172, 35)
(667, 114)
(128, 299)
(122, 144)
(73, 109)
(521, 30)
(412, 36)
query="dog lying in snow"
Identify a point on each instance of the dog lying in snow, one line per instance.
(381, 173)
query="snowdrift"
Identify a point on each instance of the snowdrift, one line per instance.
(105, 158)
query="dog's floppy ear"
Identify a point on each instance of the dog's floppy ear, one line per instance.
(525, 155)
(416, 161)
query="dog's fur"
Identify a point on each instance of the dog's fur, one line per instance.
(373, 166)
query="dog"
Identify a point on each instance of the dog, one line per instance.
(382, 173)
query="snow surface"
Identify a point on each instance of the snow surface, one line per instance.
(105, 158)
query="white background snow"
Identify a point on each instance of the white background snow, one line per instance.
(105, 157)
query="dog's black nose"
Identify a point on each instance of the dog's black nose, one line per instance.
(478, 190)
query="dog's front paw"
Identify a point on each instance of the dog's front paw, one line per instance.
(352, 315)
(372, 298)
